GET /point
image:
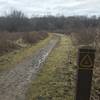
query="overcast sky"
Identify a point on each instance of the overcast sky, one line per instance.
(54, 7)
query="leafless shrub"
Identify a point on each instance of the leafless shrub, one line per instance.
(7, 46)
(34, 37)
(85, 36)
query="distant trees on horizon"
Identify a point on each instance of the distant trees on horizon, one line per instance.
(16, 21)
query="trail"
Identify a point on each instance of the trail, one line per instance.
(15, 82)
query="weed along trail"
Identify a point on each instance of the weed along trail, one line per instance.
(15, 82)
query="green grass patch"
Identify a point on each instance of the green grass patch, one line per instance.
(56, 79)
(11, 59)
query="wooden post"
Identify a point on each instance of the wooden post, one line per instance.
(86, 58)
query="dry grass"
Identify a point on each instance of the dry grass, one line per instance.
(8, 40)
(56, 80)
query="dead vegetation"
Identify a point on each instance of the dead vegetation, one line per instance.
(34, 37)
(16, 40)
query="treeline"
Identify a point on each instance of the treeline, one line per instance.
(16, 21)
(16, 32)
(84, 29)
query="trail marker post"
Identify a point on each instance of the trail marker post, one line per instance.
(86, 58)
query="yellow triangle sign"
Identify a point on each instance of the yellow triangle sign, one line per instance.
(86, 61)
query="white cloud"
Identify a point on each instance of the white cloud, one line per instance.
(41, 7)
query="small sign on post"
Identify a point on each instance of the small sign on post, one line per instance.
(85, 72)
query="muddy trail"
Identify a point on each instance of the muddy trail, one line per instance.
(14, 83)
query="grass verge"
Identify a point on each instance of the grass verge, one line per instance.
(56, 79)
(11, 59)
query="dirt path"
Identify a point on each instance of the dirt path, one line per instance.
(14, 83)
